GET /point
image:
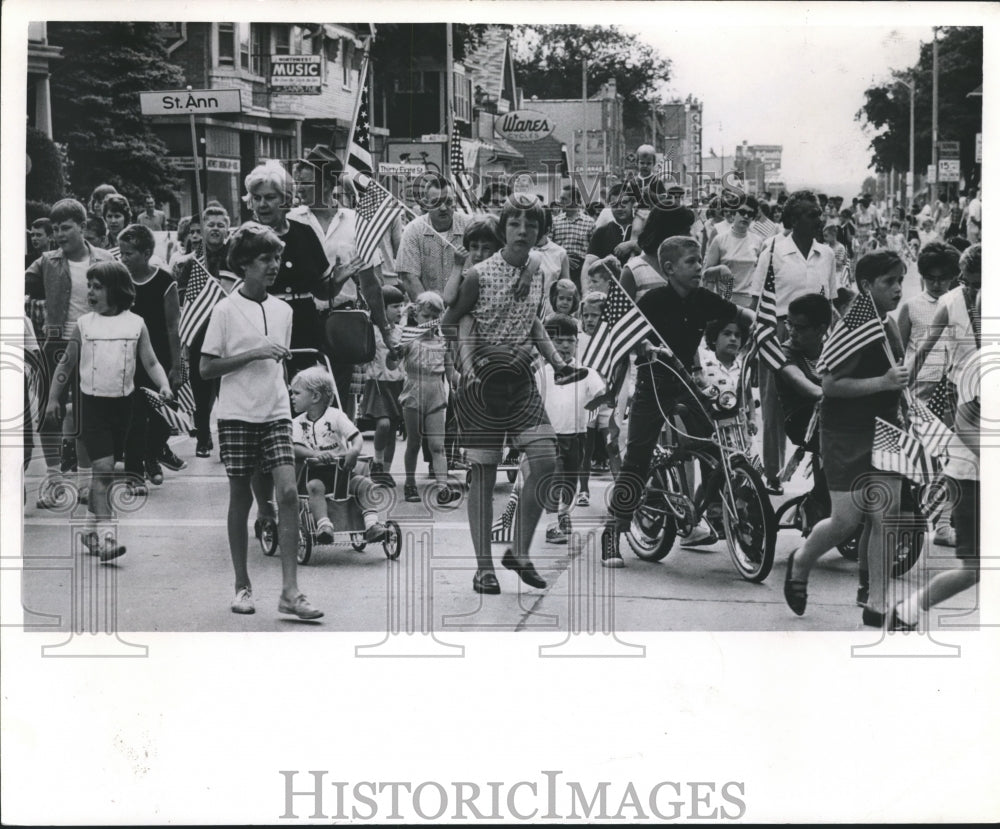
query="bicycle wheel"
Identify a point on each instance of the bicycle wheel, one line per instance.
(654, 529)
(750, 533)
(849, 549)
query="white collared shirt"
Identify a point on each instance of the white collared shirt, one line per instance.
(795, 274)
(339, 242)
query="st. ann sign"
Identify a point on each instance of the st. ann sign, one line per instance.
(524, 125)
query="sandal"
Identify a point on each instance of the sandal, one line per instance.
(795, 589)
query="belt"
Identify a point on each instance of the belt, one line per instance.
(288, 297)
(350, 305)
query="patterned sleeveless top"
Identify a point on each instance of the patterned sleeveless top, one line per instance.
(500, 318)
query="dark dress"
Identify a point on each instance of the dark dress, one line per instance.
(302, 276)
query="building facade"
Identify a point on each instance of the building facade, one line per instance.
(278, 121)
(40, 55)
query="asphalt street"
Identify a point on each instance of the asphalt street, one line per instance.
(176, 575)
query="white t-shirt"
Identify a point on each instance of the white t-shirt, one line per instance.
(739, 254)
(78, 305)
(566, 405)
(333, 432)
(255, 393)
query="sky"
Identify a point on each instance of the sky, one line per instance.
(799, 87)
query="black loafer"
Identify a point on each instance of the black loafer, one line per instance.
(525, 569)
(872, 618)
(486, 583)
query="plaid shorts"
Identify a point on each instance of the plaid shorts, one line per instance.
(249, 447)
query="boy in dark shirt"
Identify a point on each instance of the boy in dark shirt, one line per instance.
(678, 312)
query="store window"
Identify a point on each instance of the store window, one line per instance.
(348, 63)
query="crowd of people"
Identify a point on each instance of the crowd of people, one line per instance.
(481, 323)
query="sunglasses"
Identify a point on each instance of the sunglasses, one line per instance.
(746, 212)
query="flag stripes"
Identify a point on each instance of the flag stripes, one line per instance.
(765, 329)
(859, 328)
(202, 294)
(894, 450)
(621, 326)
(376, 211)
(174, 417)
(464, 195)
(359, 153)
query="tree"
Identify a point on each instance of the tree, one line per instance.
(95, 105)
(550, 65)
(960, 117)
(44, 181)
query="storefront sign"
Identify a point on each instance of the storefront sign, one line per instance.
(296, 74)
(524, 125)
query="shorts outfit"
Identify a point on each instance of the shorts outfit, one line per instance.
(499, 402)
(254, 414)
(332, 432)
(108, 346)
(383, 385)
(847, 424)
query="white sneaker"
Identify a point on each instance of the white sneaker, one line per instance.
(583, 499)
(701, 536)
(243, 603)
(324, 531)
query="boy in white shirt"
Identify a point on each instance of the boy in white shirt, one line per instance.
(566, 407)
(325, 434)
(246, 344)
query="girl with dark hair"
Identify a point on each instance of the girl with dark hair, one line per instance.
(107, 342)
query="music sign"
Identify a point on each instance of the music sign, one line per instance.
(297, 74)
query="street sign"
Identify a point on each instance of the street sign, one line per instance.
(190, 102)
(948, 149)
(297, 74)
(979, 148)
(949, 170)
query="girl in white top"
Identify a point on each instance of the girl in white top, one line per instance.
(106, 343)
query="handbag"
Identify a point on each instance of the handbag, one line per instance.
(350, 335)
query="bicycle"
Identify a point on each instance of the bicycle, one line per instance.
(732, 496)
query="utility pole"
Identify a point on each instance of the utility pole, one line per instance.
(584, 146)
(912, 178)
(934, 119)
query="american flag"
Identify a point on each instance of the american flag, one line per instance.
(859, 328)
(934, 499)
(620, 327)
(765, 328)
(467, 200)
(377, 209)
(894, 450)
(929, 420)
(359, 153)
(175, 418)
(202, 294)
(411, 332)
(116, 252)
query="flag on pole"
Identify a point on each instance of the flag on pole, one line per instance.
(620, 327)
(202, 294)
(376, 209)
(765, 327)
(467, 200)
(894, 450)
(359, 153)
(172, 414)
(859, 328)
